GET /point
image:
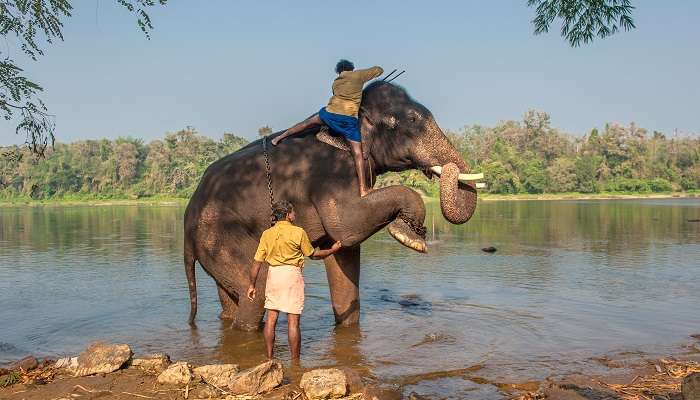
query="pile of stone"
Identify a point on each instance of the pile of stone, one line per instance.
(207, 381)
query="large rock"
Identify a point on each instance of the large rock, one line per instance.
(25, 364)
(691, 387)
(324, 384)
(102, 358)
(260, 379)
(218, 375)
(153, 363)
(176, 374)
(67, 362)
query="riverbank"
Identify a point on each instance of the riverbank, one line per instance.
(180, 201)
(111, 371)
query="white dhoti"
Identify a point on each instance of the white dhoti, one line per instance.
(284, 289)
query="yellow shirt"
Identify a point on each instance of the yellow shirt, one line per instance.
(284, 244)
(347, 90)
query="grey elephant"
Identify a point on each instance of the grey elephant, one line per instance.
(231, 206)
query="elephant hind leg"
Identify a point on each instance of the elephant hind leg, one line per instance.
(229, 303)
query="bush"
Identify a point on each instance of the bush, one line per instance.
(628, 185)
(660, 185)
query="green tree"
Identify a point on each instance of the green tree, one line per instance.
(29, 24)
(586, 174)
(582, 20)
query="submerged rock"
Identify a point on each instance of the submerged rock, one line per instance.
(218, 375)
(176, 374)
(691, 387)
(260, 379)
(25, 364)
(154, 363)
(102, 358)
(324, 384)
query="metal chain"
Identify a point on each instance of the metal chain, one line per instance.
(269, 180)
(420, 230)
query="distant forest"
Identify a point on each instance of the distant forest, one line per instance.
(527, 156)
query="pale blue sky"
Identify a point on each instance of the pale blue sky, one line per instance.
(233, 66)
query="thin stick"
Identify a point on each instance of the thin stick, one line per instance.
(396, 76)
(138, 395)
(390, 73)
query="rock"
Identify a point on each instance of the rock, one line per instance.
(218, 375)
(205, 392)
(25, 364)
(260, 379)
(489, 249)
(176, 374)
(102, 358)
(691, 387)
(381, 393)
(4, 371)
(67, 362)
(154, 363)
(353, 380)
(324, 384)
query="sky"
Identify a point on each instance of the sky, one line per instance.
(234, 66)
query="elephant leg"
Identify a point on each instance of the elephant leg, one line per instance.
(343, 272)
(357, 218)
(229, 307)
(250, 314)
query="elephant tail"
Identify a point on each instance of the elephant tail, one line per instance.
(190, 258)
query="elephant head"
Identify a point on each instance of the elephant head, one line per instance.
(399, 134)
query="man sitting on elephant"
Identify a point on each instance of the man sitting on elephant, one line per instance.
(341, 113)
(283, 247)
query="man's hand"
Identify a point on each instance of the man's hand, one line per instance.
(251, 292)
(336, 246)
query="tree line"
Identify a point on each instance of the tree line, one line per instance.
(527, 156)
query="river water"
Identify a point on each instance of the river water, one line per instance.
(571, 280)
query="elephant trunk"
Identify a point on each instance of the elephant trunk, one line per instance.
(457, 195)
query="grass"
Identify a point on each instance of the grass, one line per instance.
(164, 200)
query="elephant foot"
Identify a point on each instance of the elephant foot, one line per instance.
(402, 232)
(227, 315)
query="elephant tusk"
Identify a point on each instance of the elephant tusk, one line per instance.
(480, 185)
(464, 178)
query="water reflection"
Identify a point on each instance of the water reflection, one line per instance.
(570, 280)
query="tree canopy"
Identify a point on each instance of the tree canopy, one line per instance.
(525, 156)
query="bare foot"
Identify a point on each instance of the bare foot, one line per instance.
(365, 192)
(274, 141)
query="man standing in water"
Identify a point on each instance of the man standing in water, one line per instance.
(341, 113)
(284, 247)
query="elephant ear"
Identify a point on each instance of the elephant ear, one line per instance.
(367, 128)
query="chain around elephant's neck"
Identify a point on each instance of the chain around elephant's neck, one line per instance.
(269, 180)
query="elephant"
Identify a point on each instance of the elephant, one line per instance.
(230, 208)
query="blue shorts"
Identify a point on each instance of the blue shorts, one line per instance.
(341, 124)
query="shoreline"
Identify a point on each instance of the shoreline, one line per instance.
(177, 201)
(623, 376)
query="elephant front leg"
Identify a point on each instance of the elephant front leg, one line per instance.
(351, 219)
(343, 273)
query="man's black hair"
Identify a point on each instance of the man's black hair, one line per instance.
(344, 65)
(280, 210)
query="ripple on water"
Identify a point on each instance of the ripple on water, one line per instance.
(571, 280)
